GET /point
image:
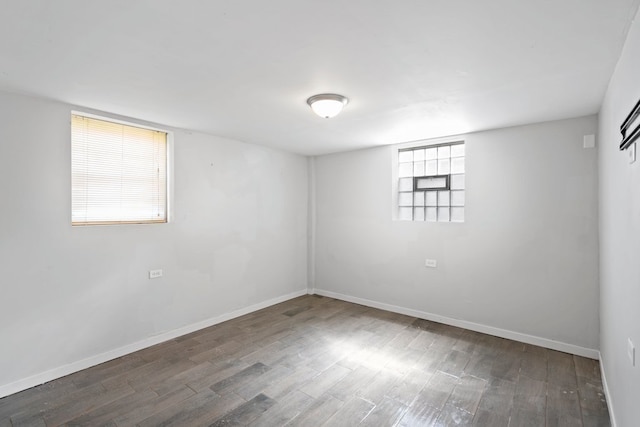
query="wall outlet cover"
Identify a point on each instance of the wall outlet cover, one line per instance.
(154, 274)
(431, 263)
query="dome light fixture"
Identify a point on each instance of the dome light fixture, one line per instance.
(327, 105)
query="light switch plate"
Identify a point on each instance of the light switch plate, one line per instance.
(632, 152)
(631, 352)
(589, 141)
(431, 263)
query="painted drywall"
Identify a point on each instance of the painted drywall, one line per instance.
(619, 209)
(525, 260)
(237, 238)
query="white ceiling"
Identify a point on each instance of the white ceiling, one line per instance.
(412, 69)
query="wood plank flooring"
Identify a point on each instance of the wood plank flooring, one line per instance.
(315, 361)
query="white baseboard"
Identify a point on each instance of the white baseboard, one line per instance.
(70, 368)
(607, 395)
(503, 333)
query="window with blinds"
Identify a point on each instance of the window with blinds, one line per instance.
(118, 173)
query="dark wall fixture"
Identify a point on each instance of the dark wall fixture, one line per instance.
(629, 133)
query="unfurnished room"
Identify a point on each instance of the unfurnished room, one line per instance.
(303, 213)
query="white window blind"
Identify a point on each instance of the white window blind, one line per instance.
(119, 173)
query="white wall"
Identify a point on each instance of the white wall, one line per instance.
(620, 238)
(525, 261)
(238, 239)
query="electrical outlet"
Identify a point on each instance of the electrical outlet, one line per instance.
(154, 274)
(431, 263)
(631, 352)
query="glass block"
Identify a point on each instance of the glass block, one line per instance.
(457, 182)
(444, 166)
(405, 156)
(431, 168)
(418, 155)
(457, 214)
(418, 214)
(457, 198)
(405, 169)
(405, 214)
(457, 150)
(431, 183)
(457, 165)
(431, 154)
(443, 198)
(444, 152)
(418, 168)
(405, 199)
(443, 214)
(418, 198)
(432, 198)
(405, 184)
(431, 214)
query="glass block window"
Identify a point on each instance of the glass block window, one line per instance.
(431, 183)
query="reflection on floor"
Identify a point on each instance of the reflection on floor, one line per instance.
(315, 361)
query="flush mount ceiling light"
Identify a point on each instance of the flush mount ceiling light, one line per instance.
(327, 105)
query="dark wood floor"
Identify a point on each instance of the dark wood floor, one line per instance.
(318, 361)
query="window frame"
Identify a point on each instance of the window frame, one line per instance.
(447, 179)
(126, 121)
